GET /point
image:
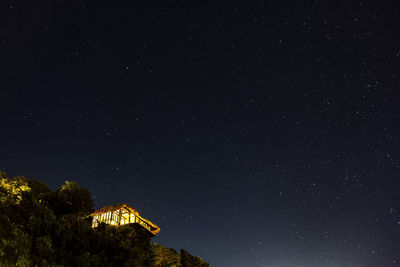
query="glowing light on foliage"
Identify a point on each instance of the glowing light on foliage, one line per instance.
(11, 190)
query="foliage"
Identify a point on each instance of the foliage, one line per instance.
(11, 190)
(166, 257)
(75, 198)
(41, 227)
(188, 260)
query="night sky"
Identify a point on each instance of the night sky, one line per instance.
(254, 134)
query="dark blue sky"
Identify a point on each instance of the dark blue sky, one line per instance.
(253, 134)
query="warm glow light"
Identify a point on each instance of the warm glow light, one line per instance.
(120, 215)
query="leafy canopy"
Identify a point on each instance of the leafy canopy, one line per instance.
(41, 227)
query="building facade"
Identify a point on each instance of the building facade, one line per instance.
(122, 214)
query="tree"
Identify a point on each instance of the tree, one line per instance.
(74, 199)
(39, 227)
(165, 257)
(11, 190)
(188, 260)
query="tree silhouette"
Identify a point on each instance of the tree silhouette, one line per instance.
(39, 227)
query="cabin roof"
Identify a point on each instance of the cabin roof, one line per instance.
(114, 208)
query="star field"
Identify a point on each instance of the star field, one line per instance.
(253, 133)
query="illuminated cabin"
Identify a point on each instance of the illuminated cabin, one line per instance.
(122, 214)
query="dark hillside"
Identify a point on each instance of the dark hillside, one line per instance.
(41, 227)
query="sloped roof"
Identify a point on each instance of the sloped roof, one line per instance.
(114, 208)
